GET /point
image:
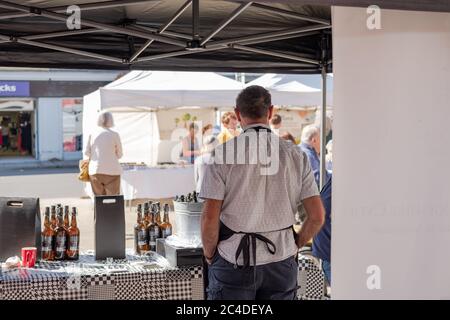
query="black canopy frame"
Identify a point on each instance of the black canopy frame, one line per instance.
(185, 44)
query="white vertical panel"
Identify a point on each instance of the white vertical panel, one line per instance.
(50, 128)
(391, 184)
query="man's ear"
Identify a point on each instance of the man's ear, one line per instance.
(270, 113)
(238, 114)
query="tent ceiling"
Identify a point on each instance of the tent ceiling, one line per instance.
(289, 36)
(150, 34)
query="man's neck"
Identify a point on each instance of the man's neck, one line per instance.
(251, 122)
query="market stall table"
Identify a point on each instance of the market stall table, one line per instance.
(135, 278)
(143, 182)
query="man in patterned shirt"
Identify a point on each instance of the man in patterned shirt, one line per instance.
(250, 204)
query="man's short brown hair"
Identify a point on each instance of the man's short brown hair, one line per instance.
(254, 102)
(227, 116)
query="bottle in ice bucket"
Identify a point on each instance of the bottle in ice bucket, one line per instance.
(48, 236)
(153, 229)
(182, 198)
(166, 227)
(194, 197)
(73, 245)
(61, 237)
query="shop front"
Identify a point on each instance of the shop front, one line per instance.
(41, 113)
(17, 120)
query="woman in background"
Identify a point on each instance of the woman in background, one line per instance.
(104, 149)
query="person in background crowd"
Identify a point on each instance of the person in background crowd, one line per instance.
(207, 130)
(311, 146)
(210, 142)
(103, 150)
(288, 136)
(190, 145)
(5, 135)
(275, 122)
(248, 214)
(329, 156)
(229, 122)
(322, 241)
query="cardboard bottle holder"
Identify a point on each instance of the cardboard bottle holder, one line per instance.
(109, 216)
(20, 226)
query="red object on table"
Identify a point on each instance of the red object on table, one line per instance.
(29, 257)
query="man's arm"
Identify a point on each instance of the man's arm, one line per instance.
(210, 227)
(315, 218)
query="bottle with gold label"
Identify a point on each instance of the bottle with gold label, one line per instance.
(48, 236)
(73, 245)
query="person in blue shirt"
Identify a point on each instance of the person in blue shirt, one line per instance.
(311, 147)
(322, 241)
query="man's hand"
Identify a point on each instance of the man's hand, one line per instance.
(210, 227)
(315, 217)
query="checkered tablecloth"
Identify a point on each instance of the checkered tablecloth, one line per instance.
(311, 279)
(134, 278)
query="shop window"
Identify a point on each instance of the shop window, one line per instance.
(72, 124)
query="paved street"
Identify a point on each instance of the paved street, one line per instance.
(60, 185)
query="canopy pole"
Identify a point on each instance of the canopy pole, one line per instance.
(323, 114)
(323, 127)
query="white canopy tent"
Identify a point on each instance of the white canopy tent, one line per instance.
(136, 98)
(295, 90)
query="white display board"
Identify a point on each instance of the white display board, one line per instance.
(391, 176)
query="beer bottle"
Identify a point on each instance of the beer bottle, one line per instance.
(176, 199)
(73, 245)
(158, 214)
(146, 219)
(195, 194)
(153, 230)
(136, 228)
(66, 218)
(142, 235)
(47, 238)
(61, 237)
(54, 223)
(182, 198)
(166, 227)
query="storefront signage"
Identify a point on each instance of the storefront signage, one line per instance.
(14, 89)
